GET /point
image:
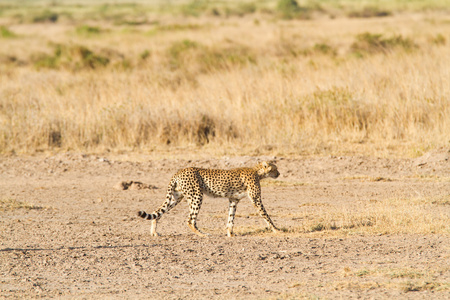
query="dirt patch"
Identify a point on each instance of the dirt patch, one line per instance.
(355, 227)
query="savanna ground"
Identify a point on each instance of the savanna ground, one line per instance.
(351, 99)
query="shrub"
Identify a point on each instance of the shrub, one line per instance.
(189, 54)
(194, 8)
(145, 54)
(222, 58)
(374, 43)
(6, 33)
(178, 51)
(241, 9)
(71, 57)
(439, 39)
(46, 16)
(369, 12)
(87, 30)
(289, 9)
(324, 49)
(88, 58)
(200, 130)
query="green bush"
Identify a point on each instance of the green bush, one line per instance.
(46, 61)
(88, 58)
(6, 33)
(194, 8)
(178, 50)
(87, 30)
(324, 49)
(290, 9)
(71, 57)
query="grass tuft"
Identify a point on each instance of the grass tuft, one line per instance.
(71, 57)
(369, 43)
(12, 204)
(290, 9)
(6, 33)
(369, 12)
(45, 16)
(87, 30)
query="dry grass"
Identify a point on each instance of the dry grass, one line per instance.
(422, 215)
(225, 79)
(403, 279)
(12, 204)
(393, 216)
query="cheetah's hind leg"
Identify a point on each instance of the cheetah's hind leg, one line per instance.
(154, 218)
(172, 199)
(153, 228)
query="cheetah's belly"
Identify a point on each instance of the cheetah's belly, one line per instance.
(226, 193)
(238, 195)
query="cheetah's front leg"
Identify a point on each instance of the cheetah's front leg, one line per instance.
(262, 211)
(194, 207)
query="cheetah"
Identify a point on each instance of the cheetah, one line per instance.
(234, 184)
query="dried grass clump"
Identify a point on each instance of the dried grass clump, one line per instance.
(392, 216)
(375, 43)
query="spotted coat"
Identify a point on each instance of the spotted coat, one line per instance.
(234, 184)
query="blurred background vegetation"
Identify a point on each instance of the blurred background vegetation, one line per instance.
(279, 77)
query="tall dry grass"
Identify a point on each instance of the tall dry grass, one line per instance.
(251, 84)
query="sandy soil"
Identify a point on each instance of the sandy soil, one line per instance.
(67, 231)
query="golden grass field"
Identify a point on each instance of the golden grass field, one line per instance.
(225, 77)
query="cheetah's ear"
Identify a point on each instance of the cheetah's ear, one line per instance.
(264, 164)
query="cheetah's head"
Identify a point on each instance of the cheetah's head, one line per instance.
(267, 169)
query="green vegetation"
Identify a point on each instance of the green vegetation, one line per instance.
(6, 33)
(145, 54)
(88, 30)
(290, 9)
(187, 53)
(142, 13)
(373, 43)
(45, 16)
(369, 12)
(71, 57)
(195, 8)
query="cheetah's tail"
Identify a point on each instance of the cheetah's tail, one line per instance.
(166, 206)
(147, 216)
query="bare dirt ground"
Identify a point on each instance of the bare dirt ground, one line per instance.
(67, 232)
